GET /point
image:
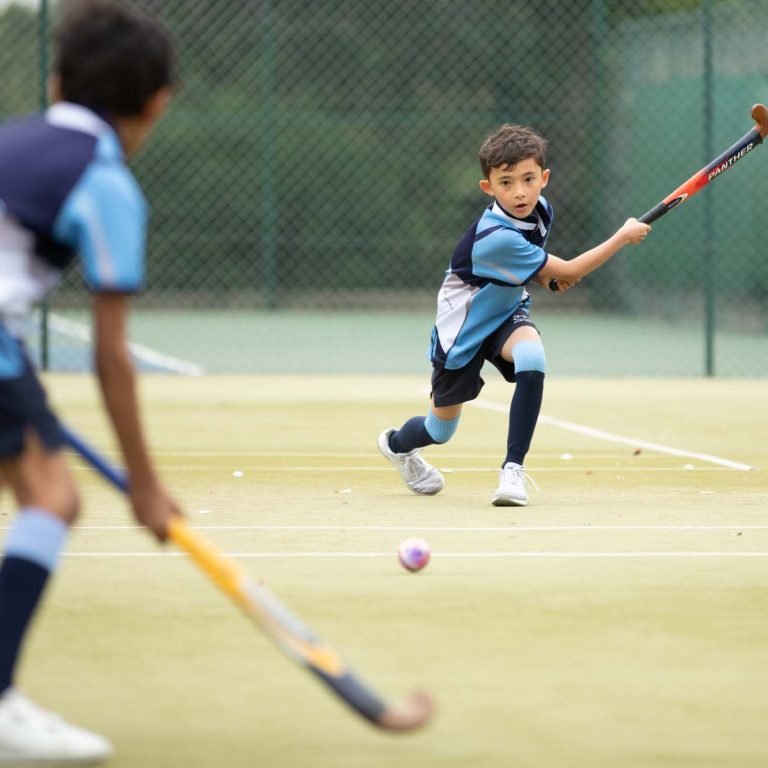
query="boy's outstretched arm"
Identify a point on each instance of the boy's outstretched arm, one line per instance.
(573, 270)
(151, 504)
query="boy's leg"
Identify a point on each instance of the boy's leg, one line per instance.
(413, 434)
(530, 366)
(525, 349)
(420, 431)
(402, 446)
(48, 502)
(450, 389)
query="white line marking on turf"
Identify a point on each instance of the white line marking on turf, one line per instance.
(583, 455)
(145, 354)
(479, 555)
(610, 437)
(619, 468)
(446, 529)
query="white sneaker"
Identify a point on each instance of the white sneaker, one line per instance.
(511, 491)
(420, 476)
(30, 734)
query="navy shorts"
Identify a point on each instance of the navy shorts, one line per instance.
(23, 403)
(458, 385)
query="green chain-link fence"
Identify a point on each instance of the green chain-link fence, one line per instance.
(318, 164)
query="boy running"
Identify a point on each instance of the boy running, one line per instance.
(64, 191)
(483, 312)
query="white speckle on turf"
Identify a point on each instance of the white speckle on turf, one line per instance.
(237, 473)
(203, 511)
(688, 466)
(566, 456)
(345, 490)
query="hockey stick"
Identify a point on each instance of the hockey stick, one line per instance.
(710, 172)
(288, 632)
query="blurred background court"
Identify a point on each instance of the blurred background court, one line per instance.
(318, 165)
(307, 187)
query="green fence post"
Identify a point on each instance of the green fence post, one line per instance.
(269, 149)
(708, 261)
(599, 97)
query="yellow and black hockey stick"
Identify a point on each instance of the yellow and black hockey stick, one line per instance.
(288, 632)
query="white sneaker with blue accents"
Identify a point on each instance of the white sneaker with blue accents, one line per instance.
(419, 475)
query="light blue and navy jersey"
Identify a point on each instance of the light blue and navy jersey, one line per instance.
(65, 190)
(485, 282)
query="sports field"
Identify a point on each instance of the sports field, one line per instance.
(619, 620)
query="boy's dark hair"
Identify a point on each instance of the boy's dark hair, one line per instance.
(111, 58)
(509, 145)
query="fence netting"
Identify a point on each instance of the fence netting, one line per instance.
(318, 164)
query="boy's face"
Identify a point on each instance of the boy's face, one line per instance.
(517, 187)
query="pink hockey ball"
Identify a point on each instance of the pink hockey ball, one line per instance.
(413, 554)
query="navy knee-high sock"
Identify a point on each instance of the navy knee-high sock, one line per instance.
(413, 434)
(21, 585)
(32, 549)
(523, 414)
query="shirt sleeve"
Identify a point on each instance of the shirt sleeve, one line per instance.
(105, 219)
(505, 256)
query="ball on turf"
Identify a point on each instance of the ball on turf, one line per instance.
(413, 554)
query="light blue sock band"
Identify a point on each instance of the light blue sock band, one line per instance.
(529, 356)
(37, 536)
(440, 430)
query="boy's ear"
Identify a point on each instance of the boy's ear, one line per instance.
(485, 185)
(545, 176)
(54, 89)
(156, 104)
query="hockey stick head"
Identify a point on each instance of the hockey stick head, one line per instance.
(760, 116)
(412, 714)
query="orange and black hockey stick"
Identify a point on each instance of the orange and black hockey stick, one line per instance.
(710, 172)
(287, 631)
